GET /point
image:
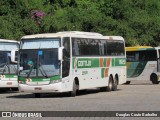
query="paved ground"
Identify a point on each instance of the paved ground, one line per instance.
(138, 96)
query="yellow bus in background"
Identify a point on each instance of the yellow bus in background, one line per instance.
(143, 63)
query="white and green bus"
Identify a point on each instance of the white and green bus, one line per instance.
(143, 63)
(71, 61)
(8, 70)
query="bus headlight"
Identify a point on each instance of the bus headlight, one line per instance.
(2, 76)
(21, 82)
(55, 81)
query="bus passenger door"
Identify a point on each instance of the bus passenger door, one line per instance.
(66, 64)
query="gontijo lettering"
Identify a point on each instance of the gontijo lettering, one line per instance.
(84, 63)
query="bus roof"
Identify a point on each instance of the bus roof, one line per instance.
(139, 48)
(73, 34)
(61, 34)
(114, 37)
(6, 40)
(157, 47)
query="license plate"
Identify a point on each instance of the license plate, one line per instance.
(9, 83)
(38, 88)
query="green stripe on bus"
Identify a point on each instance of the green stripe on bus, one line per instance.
(97, 62)
(9, 76)
(119, 62)
(134, 69)
(104, 72)
(104, 62)
(57, 77)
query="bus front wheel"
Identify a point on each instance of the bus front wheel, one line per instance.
(154, 79)
(75, 89)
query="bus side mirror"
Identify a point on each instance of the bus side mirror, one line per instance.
(60, 53)
(14, 56)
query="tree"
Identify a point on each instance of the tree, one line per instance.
(137, 21)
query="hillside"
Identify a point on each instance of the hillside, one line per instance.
(138, 21)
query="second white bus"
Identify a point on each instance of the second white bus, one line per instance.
(8, 69)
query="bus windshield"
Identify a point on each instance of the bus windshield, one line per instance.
(6, 67)
(39, 62)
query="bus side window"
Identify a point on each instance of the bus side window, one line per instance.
(66, 57)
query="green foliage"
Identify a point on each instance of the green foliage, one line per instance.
(137, 21)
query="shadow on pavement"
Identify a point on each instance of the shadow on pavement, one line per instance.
(59, 95)
(140, 82)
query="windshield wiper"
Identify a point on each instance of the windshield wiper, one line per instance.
(42, 71)
(14, 68)
(2, 64)
(5, 65)
(28, 75)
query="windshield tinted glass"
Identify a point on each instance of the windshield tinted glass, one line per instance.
(28, 62)
(40, 43)
(6, 66)
(41, 63)
(8, 46)
(48, 62)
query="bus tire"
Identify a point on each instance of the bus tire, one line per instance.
(154, 79)
(115, 84)
(37, 95)
(75, 89)
(127, 82)
(110, 84)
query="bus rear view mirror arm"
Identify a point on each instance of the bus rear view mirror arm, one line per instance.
(60, 53)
